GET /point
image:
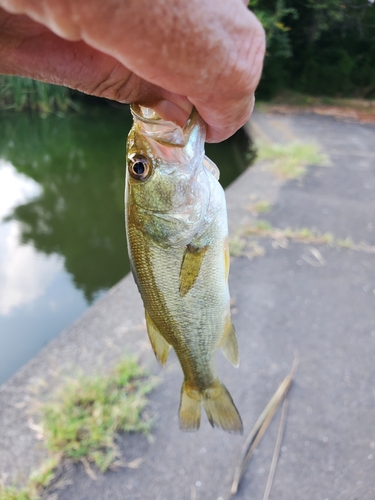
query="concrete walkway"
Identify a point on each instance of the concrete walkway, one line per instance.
(316, 299)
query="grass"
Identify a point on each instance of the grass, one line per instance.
(38, 480)
(23, 93)
(240, 247)
(83, 421)
(260, 226)
(237, 246)
(304, 234)
(346, 243)
(290, 161)
(242, 244)
(260, 207)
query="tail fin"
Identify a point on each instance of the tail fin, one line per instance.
(217, 402)
(190, 408)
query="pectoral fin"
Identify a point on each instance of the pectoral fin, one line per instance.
(159, 345)
(191, 264)
(228, 343)
(211, 167)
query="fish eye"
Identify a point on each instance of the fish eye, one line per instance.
(140, 167)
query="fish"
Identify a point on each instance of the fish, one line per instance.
(177, 234)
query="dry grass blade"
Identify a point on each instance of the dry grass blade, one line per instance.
(134, 464)
(260, 428)
(88, 469)
(276, 452)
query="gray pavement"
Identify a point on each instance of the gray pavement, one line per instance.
(285, 301)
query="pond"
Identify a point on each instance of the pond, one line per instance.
(62, 237)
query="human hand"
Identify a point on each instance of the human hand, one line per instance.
(168, 55)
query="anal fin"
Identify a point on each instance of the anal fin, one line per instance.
(228, 342)
(159, 345)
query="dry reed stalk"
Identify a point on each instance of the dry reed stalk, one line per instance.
(260, 428)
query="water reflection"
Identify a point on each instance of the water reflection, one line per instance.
(24, 274)
(79, 163)
(62, 238)
(15, 188)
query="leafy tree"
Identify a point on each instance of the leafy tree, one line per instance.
(318, 47)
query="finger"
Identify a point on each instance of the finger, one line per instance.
(218, 69)
(173, 107)
(226, 118)
(171, 112)
(29, 49)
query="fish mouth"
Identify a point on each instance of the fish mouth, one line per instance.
(145, 115)
(162, 131)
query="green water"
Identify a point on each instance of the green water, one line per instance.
(62, 239)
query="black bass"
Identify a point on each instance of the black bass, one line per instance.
(178, 244)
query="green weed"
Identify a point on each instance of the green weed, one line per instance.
(20, 93)
(11, 493)
(307, 235)
(264, 229)
(290, 161)
(236, 246)
(241, 247)
(346, 243)
(261, 206)
(260, 226)
(253, 249)
(38, 480)
(83, 421)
